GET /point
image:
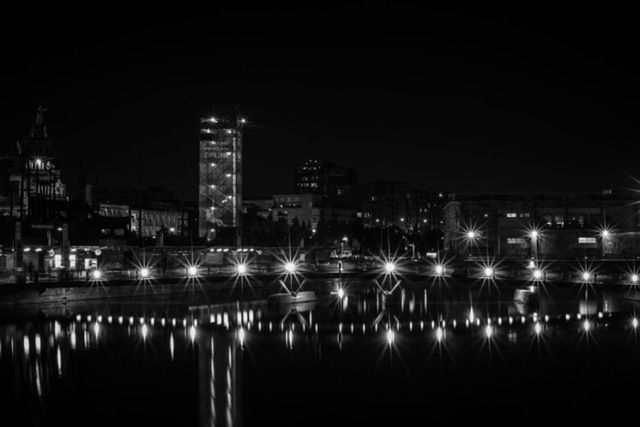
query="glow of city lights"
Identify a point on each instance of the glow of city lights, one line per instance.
(439, 334)
(144, 273)
(290, 267)
(241, 336)
(241, 268)
(192, 333)
(389, 267)
(634, 323)
(96, 274)
(145, 331)
(586, 325)
(439, 269)
(537, 274)
(340, 293)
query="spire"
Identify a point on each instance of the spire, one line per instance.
(39, 130)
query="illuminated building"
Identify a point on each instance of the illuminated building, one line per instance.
(220, 189)
(328, 178)
(33, 186)
(569, 225)
(397, 204)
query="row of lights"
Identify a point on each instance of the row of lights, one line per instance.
(389, 267)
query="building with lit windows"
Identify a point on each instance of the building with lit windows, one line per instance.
(220, 187)
(32, 185)
(570, 225)
(327, 178)
(397, 204)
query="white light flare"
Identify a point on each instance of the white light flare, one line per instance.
(389, 267)
(192, 271)
(488, 331)
(241, 269)
(290, 267)
(537, 274)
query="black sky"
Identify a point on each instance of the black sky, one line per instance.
(525, 100)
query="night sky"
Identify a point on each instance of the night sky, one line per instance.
(502, 100)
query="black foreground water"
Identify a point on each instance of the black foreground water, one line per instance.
(432, 353)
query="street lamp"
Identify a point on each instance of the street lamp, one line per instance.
(605, 234)
(290, 267)
(192, 271)
(389, 267)
(534, 234)
(537, 274)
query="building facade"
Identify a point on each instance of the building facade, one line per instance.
(309, 208)
(566, 225)
(150, 221)
(398, 204)
(327, 178)
(220, 187)
(32, 185)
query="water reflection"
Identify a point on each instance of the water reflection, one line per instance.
(47, 352)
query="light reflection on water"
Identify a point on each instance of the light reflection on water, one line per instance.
(213, 339)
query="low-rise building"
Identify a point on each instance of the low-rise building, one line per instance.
(562, 225)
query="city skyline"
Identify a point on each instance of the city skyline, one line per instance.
(445, 87)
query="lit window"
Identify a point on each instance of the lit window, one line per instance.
(511, 215)
(515, 241)
(586, 240)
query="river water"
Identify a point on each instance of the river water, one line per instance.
(438, 352)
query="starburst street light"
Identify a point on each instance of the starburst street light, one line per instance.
(290, 267)
(389, 267)
(634, 278)
(241, 269)
(537, 274)
(440, 269)
(192, 271)
(96, 274)
(586, 276)
(144, 273)
(488, 272)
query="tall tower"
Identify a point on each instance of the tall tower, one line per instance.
(220, 201)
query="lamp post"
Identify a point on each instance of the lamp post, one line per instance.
(605, 240)
(534, 246)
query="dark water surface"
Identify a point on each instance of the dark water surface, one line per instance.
(433, 354)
